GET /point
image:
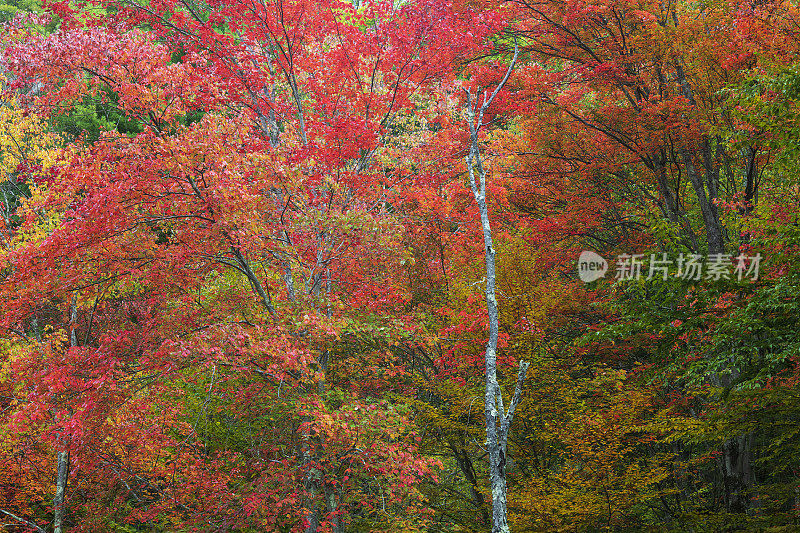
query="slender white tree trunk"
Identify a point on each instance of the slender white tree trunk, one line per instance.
(62, 471)
(62, 455)
(498, 421)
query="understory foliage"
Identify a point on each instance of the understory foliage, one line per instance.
(242, 268)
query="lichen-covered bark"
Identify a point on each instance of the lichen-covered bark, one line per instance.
(498, 421)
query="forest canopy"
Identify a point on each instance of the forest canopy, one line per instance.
(431, 265)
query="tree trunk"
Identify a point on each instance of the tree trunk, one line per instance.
(62, 456)
(465, 464)
(497, 420)
(714, 235)
(62, 471)
(737, 472)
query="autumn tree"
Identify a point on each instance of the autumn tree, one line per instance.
(252, 223)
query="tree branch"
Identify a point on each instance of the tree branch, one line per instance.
(23, 521)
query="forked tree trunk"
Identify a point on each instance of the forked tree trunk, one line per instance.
(498, 421)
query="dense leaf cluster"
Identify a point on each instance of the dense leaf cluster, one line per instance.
(243, 271)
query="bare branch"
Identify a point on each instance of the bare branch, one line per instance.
(23, 521)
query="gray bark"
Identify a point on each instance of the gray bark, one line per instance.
(498, 420)
(714, 235)
(670, 206)
(28, 523)
(465, 464)
(255, 283)
(62, 456)
(737, 472)
(62, 471)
